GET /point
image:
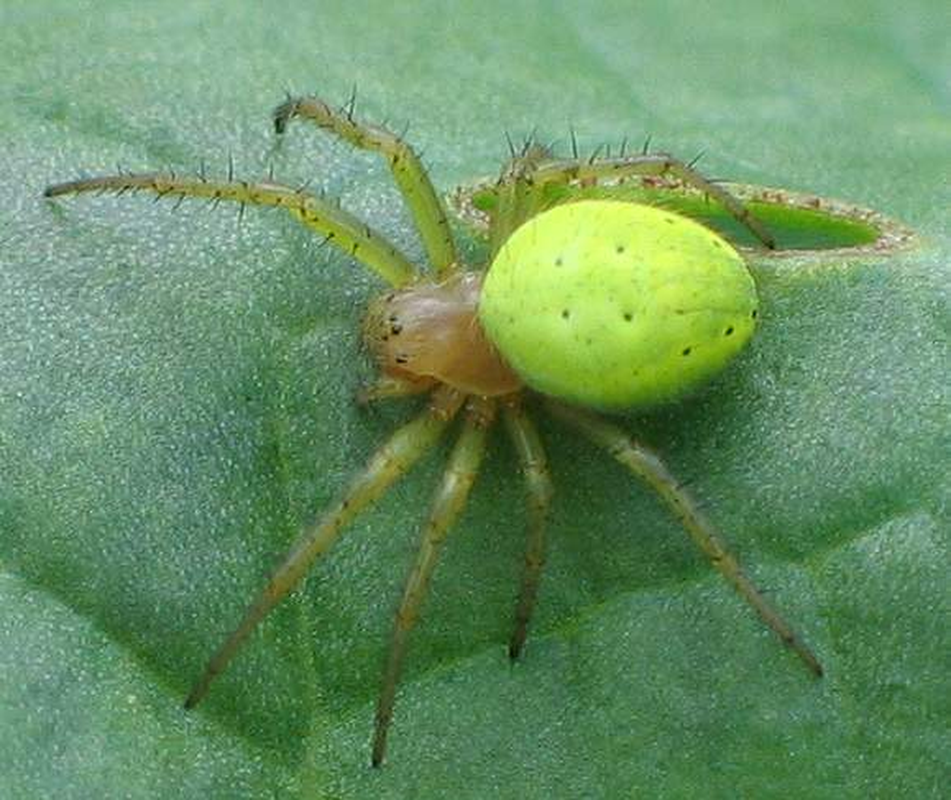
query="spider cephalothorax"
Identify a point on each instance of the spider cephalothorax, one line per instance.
(429, 332)
(600, 303)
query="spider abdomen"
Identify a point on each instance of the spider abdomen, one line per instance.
(617, 305)
(430, 330)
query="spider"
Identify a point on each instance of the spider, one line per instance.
(590, 305)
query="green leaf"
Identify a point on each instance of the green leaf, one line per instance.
(177, 398)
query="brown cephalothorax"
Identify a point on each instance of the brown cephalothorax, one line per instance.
(431, 330)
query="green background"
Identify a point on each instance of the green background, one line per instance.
(176, 397)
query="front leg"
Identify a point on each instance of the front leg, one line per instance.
(408, 171)
(337, 226)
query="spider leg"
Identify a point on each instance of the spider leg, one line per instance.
(389, 463)
(539, 493)
(517, 194)
(408, 171)
(339, 227)
(385, 387)
(449, 500)
(646, 465)
(652, 164)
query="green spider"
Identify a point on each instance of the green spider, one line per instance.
(593, 304)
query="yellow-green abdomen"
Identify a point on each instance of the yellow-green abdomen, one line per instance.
(617, 305)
